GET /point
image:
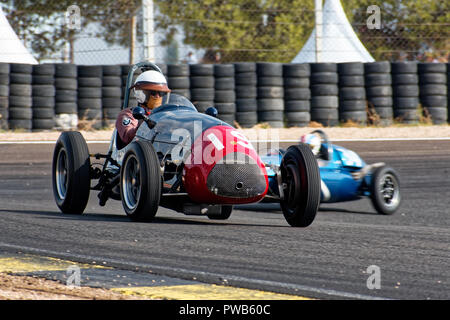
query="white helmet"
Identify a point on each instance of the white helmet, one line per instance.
(149, 81)
(313, 141)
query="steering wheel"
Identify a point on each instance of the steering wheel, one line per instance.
(326, 149)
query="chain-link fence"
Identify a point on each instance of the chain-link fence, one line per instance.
(213, 31)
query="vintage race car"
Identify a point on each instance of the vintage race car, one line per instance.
(186, 161)
(346, 177)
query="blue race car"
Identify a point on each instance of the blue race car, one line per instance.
(344, 177)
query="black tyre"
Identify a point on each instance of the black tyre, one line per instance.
(176, 70)
(70, 173)
(201, 69)
(377, 67)
(224, 214)
(385, 190)
(297, 70)
(301, 185)
(240, 67)
(269, 69)
(140, 182)
(223, 70)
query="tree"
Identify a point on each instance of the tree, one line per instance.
(408, 28)
(240, 29)
(277, 30)
(42, 25)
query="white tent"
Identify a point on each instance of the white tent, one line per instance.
(12, 49)
(339, 41)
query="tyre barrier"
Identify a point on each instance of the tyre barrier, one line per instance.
(66, 96)
(224, 94)
(324, 94)
(297, 94)
(378, 84)
(43, 93)
(352, 94)
(245, 80)
(20, 97)
(202, 85)
(4, 96)
(90, 97)
(405, 88)
(433, 91)
(270, 93)
(178, 79)
(111, 94)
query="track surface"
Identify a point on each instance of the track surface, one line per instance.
(255, 248)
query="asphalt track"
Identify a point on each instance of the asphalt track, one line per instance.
(255, 248)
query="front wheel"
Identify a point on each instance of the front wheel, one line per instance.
(224, 214)
(301, 185)
(71, 173)
(140, 182)
(385, 190)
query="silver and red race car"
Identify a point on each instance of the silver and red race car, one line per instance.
(186, 161)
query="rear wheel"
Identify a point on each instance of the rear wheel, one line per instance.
(140, 182)
(301, 186)
(70, 173)
(385, 190)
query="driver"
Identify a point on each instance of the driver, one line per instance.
(313, 141)
(149, 89)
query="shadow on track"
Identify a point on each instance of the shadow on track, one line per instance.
(117, 218)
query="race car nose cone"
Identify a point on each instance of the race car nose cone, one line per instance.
(237, 176)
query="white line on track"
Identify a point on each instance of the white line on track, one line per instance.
(259, 141)
(194, 273)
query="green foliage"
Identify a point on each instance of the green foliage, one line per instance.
(408, 28)
(241, 30)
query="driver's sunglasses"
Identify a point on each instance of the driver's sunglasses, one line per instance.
(157, 93)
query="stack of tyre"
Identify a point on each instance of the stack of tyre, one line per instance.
(4, 93)
(178, 79)
(245, 80)
(378, 83)
(405, 87)
(224, 95)
(111, 94)
(433, 91)
(352, 94)
(90, 96)
(202, 85)
(324, 93)
(297, 94)
(270, 94)
(43, 96)
(66, 96)
(20, 96)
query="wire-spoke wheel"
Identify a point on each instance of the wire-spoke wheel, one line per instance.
(140, 182)
(71, 173)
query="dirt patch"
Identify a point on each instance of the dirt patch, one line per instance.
(32, 288)
(261, 133)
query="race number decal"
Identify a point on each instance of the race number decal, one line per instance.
(242, 140)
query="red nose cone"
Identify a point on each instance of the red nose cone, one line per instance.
(224, 168)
